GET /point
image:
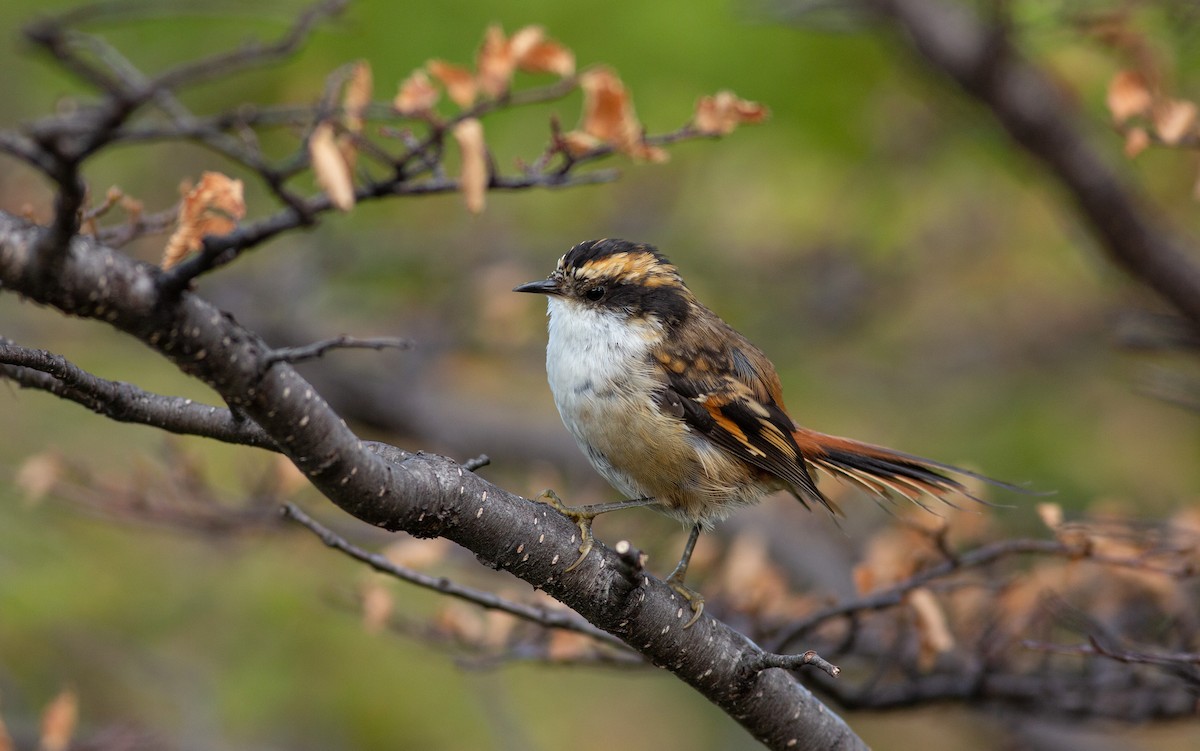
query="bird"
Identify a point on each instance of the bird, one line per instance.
(679, 411)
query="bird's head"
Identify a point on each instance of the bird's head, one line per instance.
(619, 278)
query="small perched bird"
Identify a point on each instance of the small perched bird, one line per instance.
(679, 411)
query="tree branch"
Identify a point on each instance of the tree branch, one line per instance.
(124, 402)
(442, 585)
(987, 66)
(423, 494)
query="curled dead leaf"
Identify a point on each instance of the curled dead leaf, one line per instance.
(357, 96)
(494, 63)
(330, 167)
(932, 628)
(213, 207)
(459, 82)
(577, 143)
(608, 115)
(721, 113)
(1051, 514)
(525, 39)
(355, 99)
(473, 178)
(750, 580)
(59, 719)
(1137, 140)
(1129, 95)
(891, 555)
(417, 95)
(38, 475)
(1174, 120)
(547, 56)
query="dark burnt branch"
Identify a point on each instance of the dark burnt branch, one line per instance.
(984, 62)
(425, 495)
(542, 617)
(124, 402)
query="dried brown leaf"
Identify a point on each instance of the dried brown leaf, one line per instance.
(1137, 140)
(473, 178)
(934, 632)
(577, 143)
(751, 581)
(1174, 119)
(607, 111)
(355, 99)
(1129, 95)
(38, 475)
(608, 115)
(1051, 515)
(357, 96)
(59, 719)
(891, 555)
(330, 167)
(377, 604)
(213, 207)
(459, 82)
(494, 63)
(417, 95)
(547, 56)
(524, 40)
(721, 113)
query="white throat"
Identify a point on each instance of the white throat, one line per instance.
(591, 350)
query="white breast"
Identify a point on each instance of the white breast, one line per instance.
(599, 371)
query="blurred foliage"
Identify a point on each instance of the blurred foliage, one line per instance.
(917, 282)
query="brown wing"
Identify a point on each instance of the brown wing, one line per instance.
(732, 396)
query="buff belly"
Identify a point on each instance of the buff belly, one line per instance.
(602, 378)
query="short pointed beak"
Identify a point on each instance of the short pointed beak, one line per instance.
(541, 286)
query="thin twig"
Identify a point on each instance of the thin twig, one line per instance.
(317, 350)
(478, 462)
(540, 616)
(1094, 647)
(793, 662)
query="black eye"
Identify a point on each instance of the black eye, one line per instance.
(595, 293)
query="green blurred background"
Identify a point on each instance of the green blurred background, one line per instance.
(917, 282)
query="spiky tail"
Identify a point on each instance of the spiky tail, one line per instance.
(884, 472)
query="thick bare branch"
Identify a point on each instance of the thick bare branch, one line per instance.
(423, 494)
(984, 62)
(124, 402)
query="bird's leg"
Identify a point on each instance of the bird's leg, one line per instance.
(675, 578)
(583, 516)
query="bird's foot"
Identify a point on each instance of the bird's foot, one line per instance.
(582, 517)
(694, 598)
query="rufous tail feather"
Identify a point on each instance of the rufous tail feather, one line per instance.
(885, 473)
